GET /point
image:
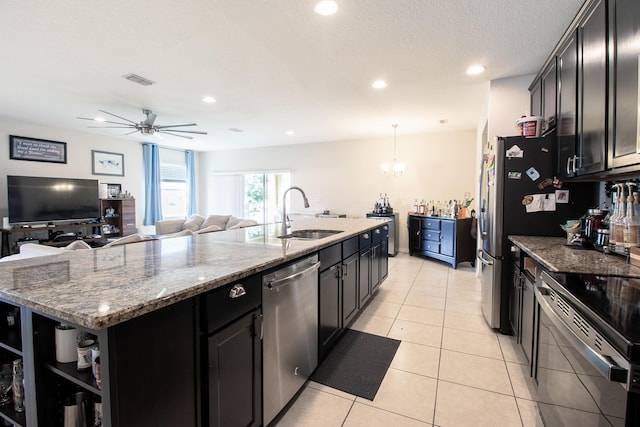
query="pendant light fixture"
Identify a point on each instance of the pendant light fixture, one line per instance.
(397, 168)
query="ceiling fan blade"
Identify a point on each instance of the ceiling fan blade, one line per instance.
(115, 115)
(175, 134)
(114, 127)
(151, 117)
(133, 131)
(183, 131)
(176, 126)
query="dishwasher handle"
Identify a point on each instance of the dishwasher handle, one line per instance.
(286, 280)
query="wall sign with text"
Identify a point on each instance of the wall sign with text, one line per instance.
(37, 150)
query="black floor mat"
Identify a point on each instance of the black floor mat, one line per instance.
(357, 364)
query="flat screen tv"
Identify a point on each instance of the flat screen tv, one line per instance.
(41, 199)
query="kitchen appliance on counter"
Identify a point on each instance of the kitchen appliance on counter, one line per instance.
(588, 366)
(394, 230)
(290, 325)
(519, 195)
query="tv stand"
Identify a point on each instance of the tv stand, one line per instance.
(12, 238)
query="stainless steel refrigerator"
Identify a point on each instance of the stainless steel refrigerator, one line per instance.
(518, 196)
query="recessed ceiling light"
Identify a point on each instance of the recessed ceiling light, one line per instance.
(379, 84)
(209, 99)
(475, 69)
(290, 132)
(326, 7)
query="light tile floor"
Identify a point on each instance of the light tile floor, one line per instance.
(451, 369)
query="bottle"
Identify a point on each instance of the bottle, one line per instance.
(415, 206)
(614, 216)
(619, 221)
(631, 223)
(17, 385)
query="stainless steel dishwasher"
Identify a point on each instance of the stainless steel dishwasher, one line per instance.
(290, 341)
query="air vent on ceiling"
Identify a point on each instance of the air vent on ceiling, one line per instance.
(138, 79)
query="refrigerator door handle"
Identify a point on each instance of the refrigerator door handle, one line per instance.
(569, 165)
(482, 260)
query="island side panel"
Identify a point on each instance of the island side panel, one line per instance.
(152, 368)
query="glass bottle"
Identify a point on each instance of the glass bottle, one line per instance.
(631, 222)
(613, 219)
(619, 221)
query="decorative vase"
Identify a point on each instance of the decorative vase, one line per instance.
(462, 213)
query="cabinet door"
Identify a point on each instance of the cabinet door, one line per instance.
(235, 363)
(624, 135)
(375, 266)
(526, 329)
(567, 105)
(549, 83)
(384, 259)
(515, 302)
(536, 98)
(447, 238)
(415, 228)
(350, 297)
(592, 80)
(329, 312)
(364, 272)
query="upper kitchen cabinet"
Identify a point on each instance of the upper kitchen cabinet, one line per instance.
(549, 92)
(536, 98)
(582, 62)
(624, 134)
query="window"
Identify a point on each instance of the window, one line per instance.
(250, 195)
(173, 184)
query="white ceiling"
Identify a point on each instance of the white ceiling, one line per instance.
(272, 65)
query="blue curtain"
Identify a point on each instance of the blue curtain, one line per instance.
(152, 194)
(191, 182)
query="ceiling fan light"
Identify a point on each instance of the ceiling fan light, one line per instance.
(209, 99)
(326, 7)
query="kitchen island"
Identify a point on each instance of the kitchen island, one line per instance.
(142, 301)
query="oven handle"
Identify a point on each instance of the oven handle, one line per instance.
(603, 363)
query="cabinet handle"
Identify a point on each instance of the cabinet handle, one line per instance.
(237, 291)
(568, 165)
(418, 233)
(345, 270)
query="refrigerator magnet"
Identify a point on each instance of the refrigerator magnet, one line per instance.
(545, 183)
(514, 151)
(562, 196)
(533, 173)
(514, 175)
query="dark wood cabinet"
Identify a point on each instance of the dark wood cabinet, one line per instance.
(549, 96)
(592, 90)
(350, 291)
(536, 98)
(567, 128)
(364, 268)
(330, 316)
(122, 220)
(445, 239)
(235, 363)
(624, 134)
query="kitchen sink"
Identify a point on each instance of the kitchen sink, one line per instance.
(309, 234)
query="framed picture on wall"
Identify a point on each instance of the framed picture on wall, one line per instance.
(114, 190)
(37, 150)
(105, 163)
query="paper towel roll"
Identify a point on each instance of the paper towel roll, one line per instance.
(66, 344)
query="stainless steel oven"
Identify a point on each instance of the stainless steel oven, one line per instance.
(584, 376)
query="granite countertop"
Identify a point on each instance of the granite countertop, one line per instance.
(555, 255)
(98, 288)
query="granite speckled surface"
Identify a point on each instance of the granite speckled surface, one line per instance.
(98, 288)
(556, 256)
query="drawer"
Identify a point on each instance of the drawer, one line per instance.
(377, 235)
(431, 246)
(349, 247)
(431, 235)
(330, 256)
(221, 307)
(365, 240)
(431, 224)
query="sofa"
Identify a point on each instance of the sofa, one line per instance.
(198, 224)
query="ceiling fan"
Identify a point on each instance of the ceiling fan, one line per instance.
(147, 126)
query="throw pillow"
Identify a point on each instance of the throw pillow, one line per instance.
(124, 240)
(243, 223)
(233, 221)
(193, 223)
(208, 229)
(77, 244)
(185, 232)
(219, 220)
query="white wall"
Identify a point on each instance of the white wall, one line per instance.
(79, 146)
(346, 176)
(508, 100)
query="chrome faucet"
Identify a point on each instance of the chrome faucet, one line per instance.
(284, 206)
